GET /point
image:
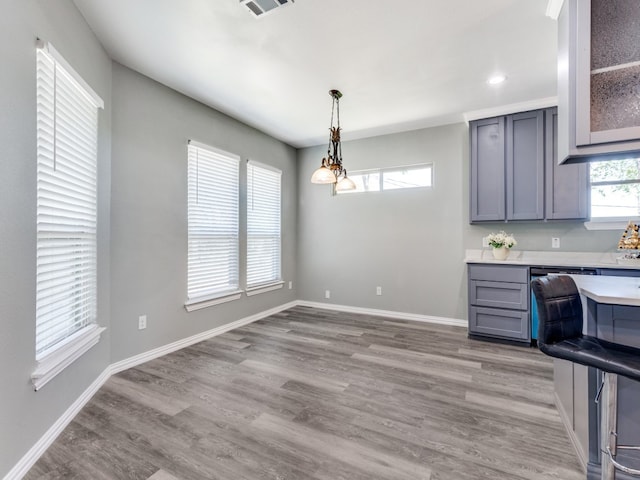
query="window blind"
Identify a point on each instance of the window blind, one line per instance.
(213, 210)
(66, 247)
(263, 224)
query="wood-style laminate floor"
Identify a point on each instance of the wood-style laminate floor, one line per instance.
(322, 395)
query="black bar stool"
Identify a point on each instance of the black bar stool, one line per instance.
(560, 335)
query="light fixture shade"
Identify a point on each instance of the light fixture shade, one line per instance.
(323, 175)
(345, 184)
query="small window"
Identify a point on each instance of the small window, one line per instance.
(365, 182)
(393, 178)
(410, 177)
(615, 188)
(213, 224)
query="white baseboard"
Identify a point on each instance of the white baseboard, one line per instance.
(185, 342)
(416, 317)
(30, 458)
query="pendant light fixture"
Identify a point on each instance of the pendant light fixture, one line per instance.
(331, 170)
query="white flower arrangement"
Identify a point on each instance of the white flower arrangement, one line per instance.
(501, 239)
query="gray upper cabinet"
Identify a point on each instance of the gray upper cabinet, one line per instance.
(525, 166)
(567, 192)
(487, 189)
(515, 175)
(598, 70)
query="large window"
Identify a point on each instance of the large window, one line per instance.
(66, 256)
(213, 208)
(263, 226)
(615, 188)
(392, 178)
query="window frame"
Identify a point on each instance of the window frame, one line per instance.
(65, 109)
(218, 295)
(275, 282)
(385, 170)
(608, 222)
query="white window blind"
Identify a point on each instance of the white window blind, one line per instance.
(263, 224)
(67, 145)
(213, 211)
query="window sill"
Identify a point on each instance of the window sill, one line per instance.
(264, 288)
(611, 223)
(209, 301)
(56, 361)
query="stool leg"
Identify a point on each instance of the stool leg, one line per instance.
(608, 425)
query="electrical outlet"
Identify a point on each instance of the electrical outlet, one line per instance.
(485, 242)
(290, 284)
(142, 322)
(327, 294)
(555, 242)
(378, 290)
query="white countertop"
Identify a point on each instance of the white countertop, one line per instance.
(552, 259)
(610, 290)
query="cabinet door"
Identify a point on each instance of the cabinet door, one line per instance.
(525, 166)
(608, 102)
(487, 170)
(598, 92)
(563, 386)
(567, 186)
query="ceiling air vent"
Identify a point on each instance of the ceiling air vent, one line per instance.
(261, 7)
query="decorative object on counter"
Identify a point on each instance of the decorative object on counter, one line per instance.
(630, 239)
(501, 243)
(629, 244)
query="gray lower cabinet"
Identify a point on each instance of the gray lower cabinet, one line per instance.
(515, 174)
(619, 324)
(499, 302)
(571, 388)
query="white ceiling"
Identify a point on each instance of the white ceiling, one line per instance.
(401, 65)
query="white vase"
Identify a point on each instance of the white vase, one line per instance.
(500, 253)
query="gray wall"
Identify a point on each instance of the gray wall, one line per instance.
(411, 242)
(151, 126)
(25, 415)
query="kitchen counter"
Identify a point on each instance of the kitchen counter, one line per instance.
(609, 290)
(552, 259)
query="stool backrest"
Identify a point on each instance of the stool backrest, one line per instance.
(559, 309)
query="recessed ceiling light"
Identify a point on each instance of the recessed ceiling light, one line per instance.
(496, 79)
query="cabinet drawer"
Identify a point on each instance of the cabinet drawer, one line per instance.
(499, 273)
(499, 323)
(499, 294)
